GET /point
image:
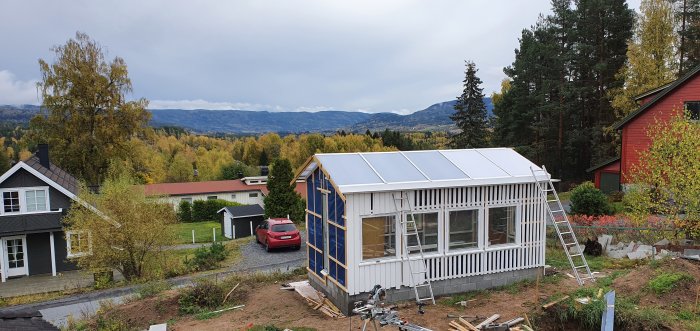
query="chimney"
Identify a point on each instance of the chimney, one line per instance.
(43, 154)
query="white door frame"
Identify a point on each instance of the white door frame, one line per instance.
(6, 262)
(227, 226)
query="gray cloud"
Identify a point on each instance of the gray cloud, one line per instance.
(280, 55)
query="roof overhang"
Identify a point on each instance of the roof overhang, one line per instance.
(603, 164)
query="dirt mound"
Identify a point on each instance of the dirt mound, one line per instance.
(142, 313)
(636, 283)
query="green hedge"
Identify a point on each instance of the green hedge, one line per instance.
(205, 210)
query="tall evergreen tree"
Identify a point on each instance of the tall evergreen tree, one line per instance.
(470, 112)
(651, 58)
(282, 200)
(687, 14)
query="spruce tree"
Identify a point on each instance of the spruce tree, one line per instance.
(282, 199)
(687, 13)
(470, 112)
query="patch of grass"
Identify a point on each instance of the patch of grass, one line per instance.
(202, 232)
(207, 315)
(30, 298)
(152, 289)
(556, 257)
(453, 300)
(665, 282)
(687, 315)
(629, 316)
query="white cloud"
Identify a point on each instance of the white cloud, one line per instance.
(203, 104)
(15, 92)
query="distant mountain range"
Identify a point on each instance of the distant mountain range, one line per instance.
(435, 117)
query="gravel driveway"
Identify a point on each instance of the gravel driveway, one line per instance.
(254, 257)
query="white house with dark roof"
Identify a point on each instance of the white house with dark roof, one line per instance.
(36, 195)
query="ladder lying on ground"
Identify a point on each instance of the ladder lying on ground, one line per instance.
(566, 234)
(410, 230)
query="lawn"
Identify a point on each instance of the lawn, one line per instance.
(202, 232)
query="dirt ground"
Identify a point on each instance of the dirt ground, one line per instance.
(267, 304)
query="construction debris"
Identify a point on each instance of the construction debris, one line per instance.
(315, 299)
(546, 306)
(488, 324)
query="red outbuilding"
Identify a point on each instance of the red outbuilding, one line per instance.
(657, 105)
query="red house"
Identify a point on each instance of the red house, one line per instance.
(659, 104)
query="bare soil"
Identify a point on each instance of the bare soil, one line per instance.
(267, 304)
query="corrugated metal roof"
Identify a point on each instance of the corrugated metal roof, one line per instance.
(388, 171)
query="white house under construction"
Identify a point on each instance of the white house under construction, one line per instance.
(456, 220)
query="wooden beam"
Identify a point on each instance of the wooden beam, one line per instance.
(546, 306)
(488, 320)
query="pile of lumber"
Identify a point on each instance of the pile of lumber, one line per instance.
(488, 324)
(315, 299)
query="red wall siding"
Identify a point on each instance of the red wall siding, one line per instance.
(634, 133)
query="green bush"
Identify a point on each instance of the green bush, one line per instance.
(664, 282)
(203, 295)
(586, 199)
(152, 289)
(206, 210)
(184, 211)
(207, 258)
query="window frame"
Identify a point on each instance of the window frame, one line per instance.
(687, 113)
(212, 197)
(440, 220)
(22, 194)
(69, 251)
(397, 235)
(253, 195)
(46, 207)
(516, 224)
(480, 229)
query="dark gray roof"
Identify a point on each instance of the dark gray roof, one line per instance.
(246, 210)
(25, 319)
(30, 223)
(56, 174)
(603, 164)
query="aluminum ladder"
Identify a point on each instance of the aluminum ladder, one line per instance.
(561, 223)
(409, 230)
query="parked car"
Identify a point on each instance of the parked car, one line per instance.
(278, 233)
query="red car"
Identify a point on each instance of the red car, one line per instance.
(278, 233)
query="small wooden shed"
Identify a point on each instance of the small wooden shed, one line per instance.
(241, 221)
(480, 216)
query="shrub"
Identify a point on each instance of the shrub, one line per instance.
(206, 210)
(203, 295)
(153, 288)
(207, 258)
(184, 211)
(587, 199)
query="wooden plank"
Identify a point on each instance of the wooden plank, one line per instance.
(488, 320)
(469, 325)
(546, 306)
(457, 326)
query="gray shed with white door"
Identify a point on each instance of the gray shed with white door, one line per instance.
(241, 221)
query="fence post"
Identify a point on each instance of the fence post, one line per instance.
(193, 236)
(213, 231)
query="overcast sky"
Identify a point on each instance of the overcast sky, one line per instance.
(372, 56)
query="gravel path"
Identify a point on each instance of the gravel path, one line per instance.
(254, 257)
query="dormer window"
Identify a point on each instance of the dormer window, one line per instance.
(25, 200)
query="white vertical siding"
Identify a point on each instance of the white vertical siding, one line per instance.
(528, 252)
(243, 198)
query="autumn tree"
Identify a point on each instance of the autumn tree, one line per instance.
(651, 58)
(283, 200)
(86, 118)
(126, 230)
(470, 112)
(666, 181)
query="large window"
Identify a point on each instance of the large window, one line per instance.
(501, 228)
(36, 200)
(378, 237)
(692, 109)
(427, 227)
(464, 229)
(79, 243)
(10, 201)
